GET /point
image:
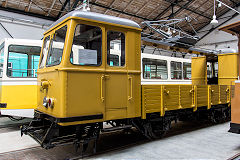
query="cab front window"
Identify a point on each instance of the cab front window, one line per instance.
(56, 47)
(87, 46)
(44, 51)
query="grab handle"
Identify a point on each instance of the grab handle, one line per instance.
(131, 87)
(101, 94)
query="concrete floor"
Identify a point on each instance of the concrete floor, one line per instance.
(210, 142)
(184, 141)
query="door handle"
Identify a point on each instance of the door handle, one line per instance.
(101, 88)
(131, 87)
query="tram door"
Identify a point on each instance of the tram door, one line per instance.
(116, 78)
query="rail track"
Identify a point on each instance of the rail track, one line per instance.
(108, 142)
(7, 125)
(15, 125)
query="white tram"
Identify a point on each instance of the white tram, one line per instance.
(157, 69)
(18, 76)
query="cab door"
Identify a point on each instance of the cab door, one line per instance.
(116, 77)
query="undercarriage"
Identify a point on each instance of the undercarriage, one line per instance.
(48, 133)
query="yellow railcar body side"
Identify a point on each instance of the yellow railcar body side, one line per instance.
(19, 96)
(199, 70)
(182, 97)
(228, 68)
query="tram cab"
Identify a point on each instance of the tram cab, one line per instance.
(81, 81)
(18, 76)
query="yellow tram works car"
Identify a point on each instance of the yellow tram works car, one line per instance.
(81, 84)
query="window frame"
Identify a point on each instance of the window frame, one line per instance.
(50, 47)
(177, 71)
(91, 65)
(143, 70)
(2, 48)
(125, 40)
(18, 53)
(41, 54)
(186, 72)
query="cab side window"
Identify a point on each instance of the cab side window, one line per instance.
(115, 48)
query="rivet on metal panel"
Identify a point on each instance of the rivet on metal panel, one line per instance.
(166, 92)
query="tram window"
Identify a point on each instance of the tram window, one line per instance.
(44, 52)
(22, 61)
(154, 69)
(87, 46)
(176, 70)
(56, 47)
(115, 39)
(186, 70)
(1, 59)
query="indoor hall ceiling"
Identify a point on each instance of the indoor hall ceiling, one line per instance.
(201, 11)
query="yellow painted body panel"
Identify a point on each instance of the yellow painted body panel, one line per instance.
(171, 97)
(152, 98)
(187, 96)
(199, 70)
(228, 68)
(224, 94)
(161, 98)
(214, 94)
(202, 95)
(19, 96)
(56, 90)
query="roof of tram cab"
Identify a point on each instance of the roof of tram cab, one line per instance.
(96, 17)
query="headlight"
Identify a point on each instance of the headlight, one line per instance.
(48, 102)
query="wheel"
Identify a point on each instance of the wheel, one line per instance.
(158, 129)
(214, 117)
